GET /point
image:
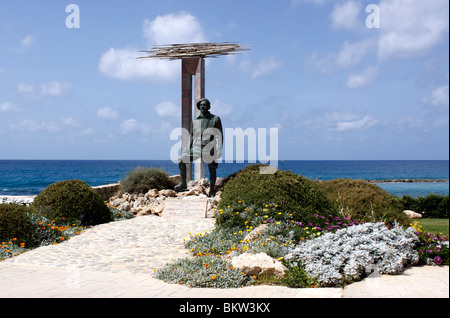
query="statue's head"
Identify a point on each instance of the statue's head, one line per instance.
(204, 101)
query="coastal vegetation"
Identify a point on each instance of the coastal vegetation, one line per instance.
(348, 230)
(359, 199)
(142, 179)
(324, 233)
(431, 206)
(73, 200)
(60, 211)
(293, 194)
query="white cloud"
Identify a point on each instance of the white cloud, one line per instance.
(341, 121)
(265, 67)
(24, 88)
(352, 53)
(132, 126)
(8, 107)
(356, 124)
(108, 113)
(173, 28)
(439, 98)
(27, 41)
(346, 16)
(121, 63)
(168, 110)
(362, 79)
(52, 89)
(411, 28)
(66, 125)
(221, 109)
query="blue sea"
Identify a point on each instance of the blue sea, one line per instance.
(30, 177)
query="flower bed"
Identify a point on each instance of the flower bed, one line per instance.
(333, 251)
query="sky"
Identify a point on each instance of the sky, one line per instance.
(337, 80)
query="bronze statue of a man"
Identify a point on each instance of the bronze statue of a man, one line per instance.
(205, 142)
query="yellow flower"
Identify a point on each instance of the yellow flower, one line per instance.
(245, 247)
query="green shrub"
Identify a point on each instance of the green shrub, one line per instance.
(364, 201)
(206, 271)
(290, 194)
(15, 224)
(431, 206)
(143, 179)
(72, 200)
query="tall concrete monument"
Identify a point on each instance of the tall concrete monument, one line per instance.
(192, 56)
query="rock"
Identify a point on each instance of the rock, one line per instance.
(412, 215)
(256, 232)
(168, 193)
(124, 206)
(153, 202)
(152, 193)
(258, 264)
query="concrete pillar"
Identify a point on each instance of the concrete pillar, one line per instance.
(192, 67)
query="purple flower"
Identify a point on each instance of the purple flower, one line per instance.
(438, 260)
(437, 249)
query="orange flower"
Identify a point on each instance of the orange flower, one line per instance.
(206, 265)
(213, 276)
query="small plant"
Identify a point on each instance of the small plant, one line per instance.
(15, 223)
(141, 180)
(206, 271)
(73, 200)
(294, 195)
(296, 277)
(350, 254)
(430, 206)
(433, 247)
(364, 201)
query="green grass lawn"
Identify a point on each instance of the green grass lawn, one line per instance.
(434, 225)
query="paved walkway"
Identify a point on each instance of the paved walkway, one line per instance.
(118, 260)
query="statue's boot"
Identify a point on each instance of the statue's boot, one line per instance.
(182, 186)
(212, 182)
